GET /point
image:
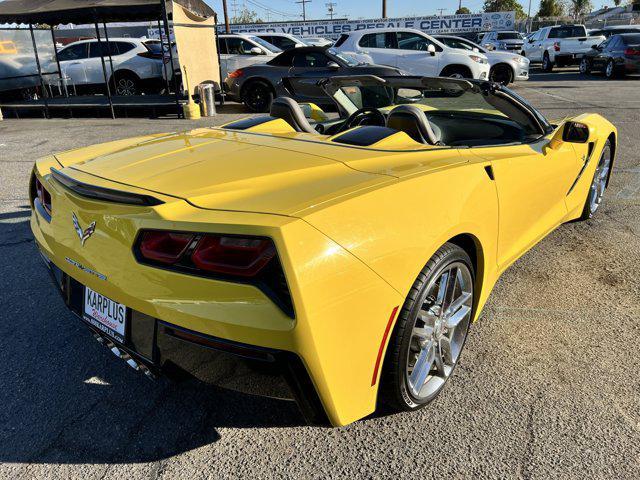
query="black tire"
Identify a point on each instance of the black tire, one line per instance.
(589, 209)
(394, 394)
(257, 96)
(547, 64)
(611, 71)
(456, 71)
(585, 66)
(125, 84)
(502, 74)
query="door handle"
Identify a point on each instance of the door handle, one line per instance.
(76, 63)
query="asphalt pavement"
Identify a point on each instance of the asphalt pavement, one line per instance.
(548, 385)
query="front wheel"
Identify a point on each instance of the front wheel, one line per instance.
(598, 184)
(585, 66)
(430, 331)
(611, 71)
(547, 64)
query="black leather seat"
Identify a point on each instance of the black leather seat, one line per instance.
(414, 122)
(289, 110)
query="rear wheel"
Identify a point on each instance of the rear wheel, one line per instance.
(430, 332)
(547, 64)
(502, 74)
(257, 96)
(598, 184)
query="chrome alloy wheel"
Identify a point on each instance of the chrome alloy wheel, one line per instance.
(599, 183)
(125, 87)
(439, 331)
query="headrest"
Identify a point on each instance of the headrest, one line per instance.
(289, 110)
(414, 122)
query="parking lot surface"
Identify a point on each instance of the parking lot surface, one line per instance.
(547, 387)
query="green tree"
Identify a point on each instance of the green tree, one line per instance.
(246, 16)
(577, 8)
(617, 2)
(505, 6)
(463, 11)
(550, 8)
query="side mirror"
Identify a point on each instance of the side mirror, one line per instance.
(530, 40)
(575, 132)
(431, 49)
(489, 46)
(333, 66)
(595, 47)
(255, 51)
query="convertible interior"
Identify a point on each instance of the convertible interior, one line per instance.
(430, 112)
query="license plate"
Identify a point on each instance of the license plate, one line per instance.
(103, 313)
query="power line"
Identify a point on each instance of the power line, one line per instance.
(304, 9)
(441, 10)
(330, 9)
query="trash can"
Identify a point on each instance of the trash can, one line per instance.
(207, 99)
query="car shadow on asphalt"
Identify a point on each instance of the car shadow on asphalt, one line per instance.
(64, 398)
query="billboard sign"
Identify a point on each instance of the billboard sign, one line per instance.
(473, 22)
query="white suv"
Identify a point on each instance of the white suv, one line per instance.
(137, 64)
(241, 50)
(414, 52)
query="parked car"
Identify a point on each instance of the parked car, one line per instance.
(257, 85)
(137, 64)
(510, 41)
(506, 67)
(614, 30)
(616, 56)
(283, 41)
(415, 52)
(241, 50)
(318, 41)
(560, 45)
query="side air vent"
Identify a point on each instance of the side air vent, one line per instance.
(103, 194)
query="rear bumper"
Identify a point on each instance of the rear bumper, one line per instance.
(155, 347)
(333, 293)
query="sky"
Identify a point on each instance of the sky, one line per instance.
(354, 9)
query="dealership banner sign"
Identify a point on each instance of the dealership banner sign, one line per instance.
(473, 22)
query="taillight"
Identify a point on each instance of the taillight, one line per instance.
(236, 73)
(556, 46)
(43, 196)
(154, 56)
(632, 52)
(164, 247)
(243, 257)
(239, 258)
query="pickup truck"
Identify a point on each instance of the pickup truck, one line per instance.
(561, 45)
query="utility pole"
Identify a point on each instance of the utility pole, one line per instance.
(227, 29)
(384, 8)
(459, 5)
(441, 10)
(529, 18)
(234, 6)
(304, 9)
(330, 9)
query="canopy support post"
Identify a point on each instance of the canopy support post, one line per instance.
(164, 64)
(165, 19)
(106, 37)
(45, 95)
(104, 68)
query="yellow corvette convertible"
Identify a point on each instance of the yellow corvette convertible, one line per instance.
(350, 251)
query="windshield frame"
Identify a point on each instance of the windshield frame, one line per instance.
(264, 44)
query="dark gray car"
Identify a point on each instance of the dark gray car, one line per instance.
(257, 85)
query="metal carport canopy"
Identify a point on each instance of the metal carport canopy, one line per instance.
(54, 12)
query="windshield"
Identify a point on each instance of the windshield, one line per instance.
(345, 57)
(265, 44)
(436, 96)
(509, 36)
(460, 44)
